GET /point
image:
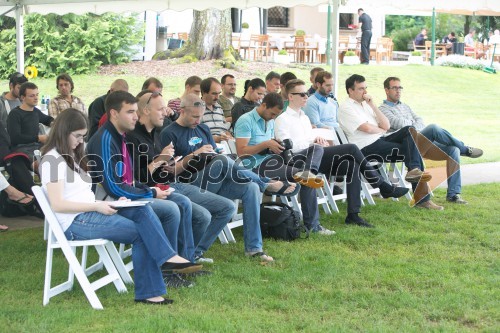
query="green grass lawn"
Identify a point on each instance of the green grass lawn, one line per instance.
(417, 271)
(461, 100)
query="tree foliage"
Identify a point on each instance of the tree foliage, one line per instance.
(74, 44)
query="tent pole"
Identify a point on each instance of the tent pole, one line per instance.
(433, 48)
(20, 38)
(328, 32)
(335, 45)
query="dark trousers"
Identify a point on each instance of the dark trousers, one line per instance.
(20, 175)
(366, 38)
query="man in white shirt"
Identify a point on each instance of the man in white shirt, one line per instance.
(294, 124)
(366, 126)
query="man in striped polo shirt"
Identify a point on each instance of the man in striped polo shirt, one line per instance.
(214, 115)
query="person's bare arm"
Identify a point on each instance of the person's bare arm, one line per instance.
(243, 148)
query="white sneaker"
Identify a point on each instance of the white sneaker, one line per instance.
(324, 231)
(202, 260)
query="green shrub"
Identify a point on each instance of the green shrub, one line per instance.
(350, 54)
(282, 52)
(416, 53)
(245, 25)
(300, 33)
(73, 44)
(402, 38)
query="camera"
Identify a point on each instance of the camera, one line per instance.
(287, 153)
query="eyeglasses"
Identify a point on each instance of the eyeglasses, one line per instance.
(154, 94)
(395, 88)
(79, 136)
(302, 94)
(195, 105)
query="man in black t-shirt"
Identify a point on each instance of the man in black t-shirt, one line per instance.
(365, 22)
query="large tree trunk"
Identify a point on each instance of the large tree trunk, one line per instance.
(210, 33)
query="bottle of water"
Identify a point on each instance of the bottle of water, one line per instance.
(43, 105)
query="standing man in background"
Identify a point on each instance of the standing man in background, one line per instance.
(365, 23)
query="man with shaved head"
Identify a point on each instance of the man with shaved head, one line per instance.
(96, 108)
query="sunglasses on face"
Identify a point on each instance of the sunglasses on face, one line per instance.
(302, 94)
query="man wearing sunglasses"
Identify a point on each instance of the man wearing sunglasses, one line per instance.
(10, 99)
(401, 115)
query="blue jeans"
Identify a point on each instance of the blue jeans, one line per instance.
(138, 226)
(208, 209)
(451, 147)
(169, 215)
(214, 179)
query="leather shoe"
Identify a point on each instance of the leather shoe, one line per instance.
(165, 301)
(358, 221)
(396, 192)
(181, 267)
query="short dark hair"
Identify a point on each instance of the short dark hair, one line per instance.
(360, 10)
(292, 84)
(351, 80)
(322, 76)
(272, 75)
(25, 86)
(17, 78)
(285, 77)
(223, 79)
(387, 82)
(65, 77)
(272, 100)
(207, 83)
(452, 33)
(192, 81)
(316, 70)
(152, 80)
(254, 83)
(116, 99)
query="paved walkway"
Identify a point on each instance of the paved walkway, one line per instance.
(471, 174)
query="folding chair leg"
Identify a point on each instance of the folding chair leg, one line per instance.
(119, 264)
(110, 267)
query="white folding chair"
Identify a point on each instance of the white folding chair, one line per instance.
(57, 240)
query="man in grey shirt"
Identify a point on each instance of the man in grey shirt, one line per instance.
(401, 115)
(10, 99)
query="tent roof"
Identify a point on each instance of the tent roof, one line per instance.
(99, 7)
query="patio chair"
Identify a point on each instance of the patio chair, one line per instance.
(437, 52)
(57, 240)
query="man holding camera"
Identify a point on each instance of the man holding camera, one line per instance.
(259, 150)
(293, 123)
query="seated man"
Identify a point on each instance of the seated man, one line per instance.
(421, 37)
(10, 99)
(214, 116)
(154, 85)
(365, 126)
(255, 142)
(112, 168)
(320, 107)
(295, 125)
(228, 97)
(449, 40)
(285, 77)
(312, 79)
(194, 141)
(401, 115)
(191, 86)
(23, 122)
(152, 166)
(65, 99)
(96, 108)
(272, 82)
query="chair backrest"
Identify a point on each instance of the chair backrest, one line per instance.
(183, 35)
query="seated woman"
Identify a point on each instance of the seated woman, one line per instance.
(65, 179)
(255, 90)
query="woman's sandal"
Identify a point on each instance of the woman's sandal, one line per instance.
(22, 204)
(282, 190)
(262, 255)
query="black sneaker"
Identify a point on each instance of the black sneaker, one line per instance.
(174, 280)
(473, 152)
(396, 192)
(195, 274)
(457, 199)
(358, 221)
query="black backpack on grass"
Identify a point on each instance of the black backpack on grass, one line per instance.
(280, 221)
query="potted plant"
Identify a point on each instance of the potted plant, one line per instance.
(350, 58)
(300, 33)
(282, 57)
(415, 58)
(244, 26)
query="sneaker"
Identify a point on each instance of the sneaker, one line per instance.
(174, 280)
(323, 231)
(457, 199)
(358, 221)
(416, 175)
(473, 152)
(309, 179)
(202, 260)
(396, 192)
(261, 255)
(429, 205)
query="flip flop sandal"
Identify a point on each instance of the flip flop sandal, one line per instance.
(19, 203)
(282, 190)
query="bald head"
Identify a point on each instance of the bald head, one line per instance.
(119, 85)
(192, 109)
